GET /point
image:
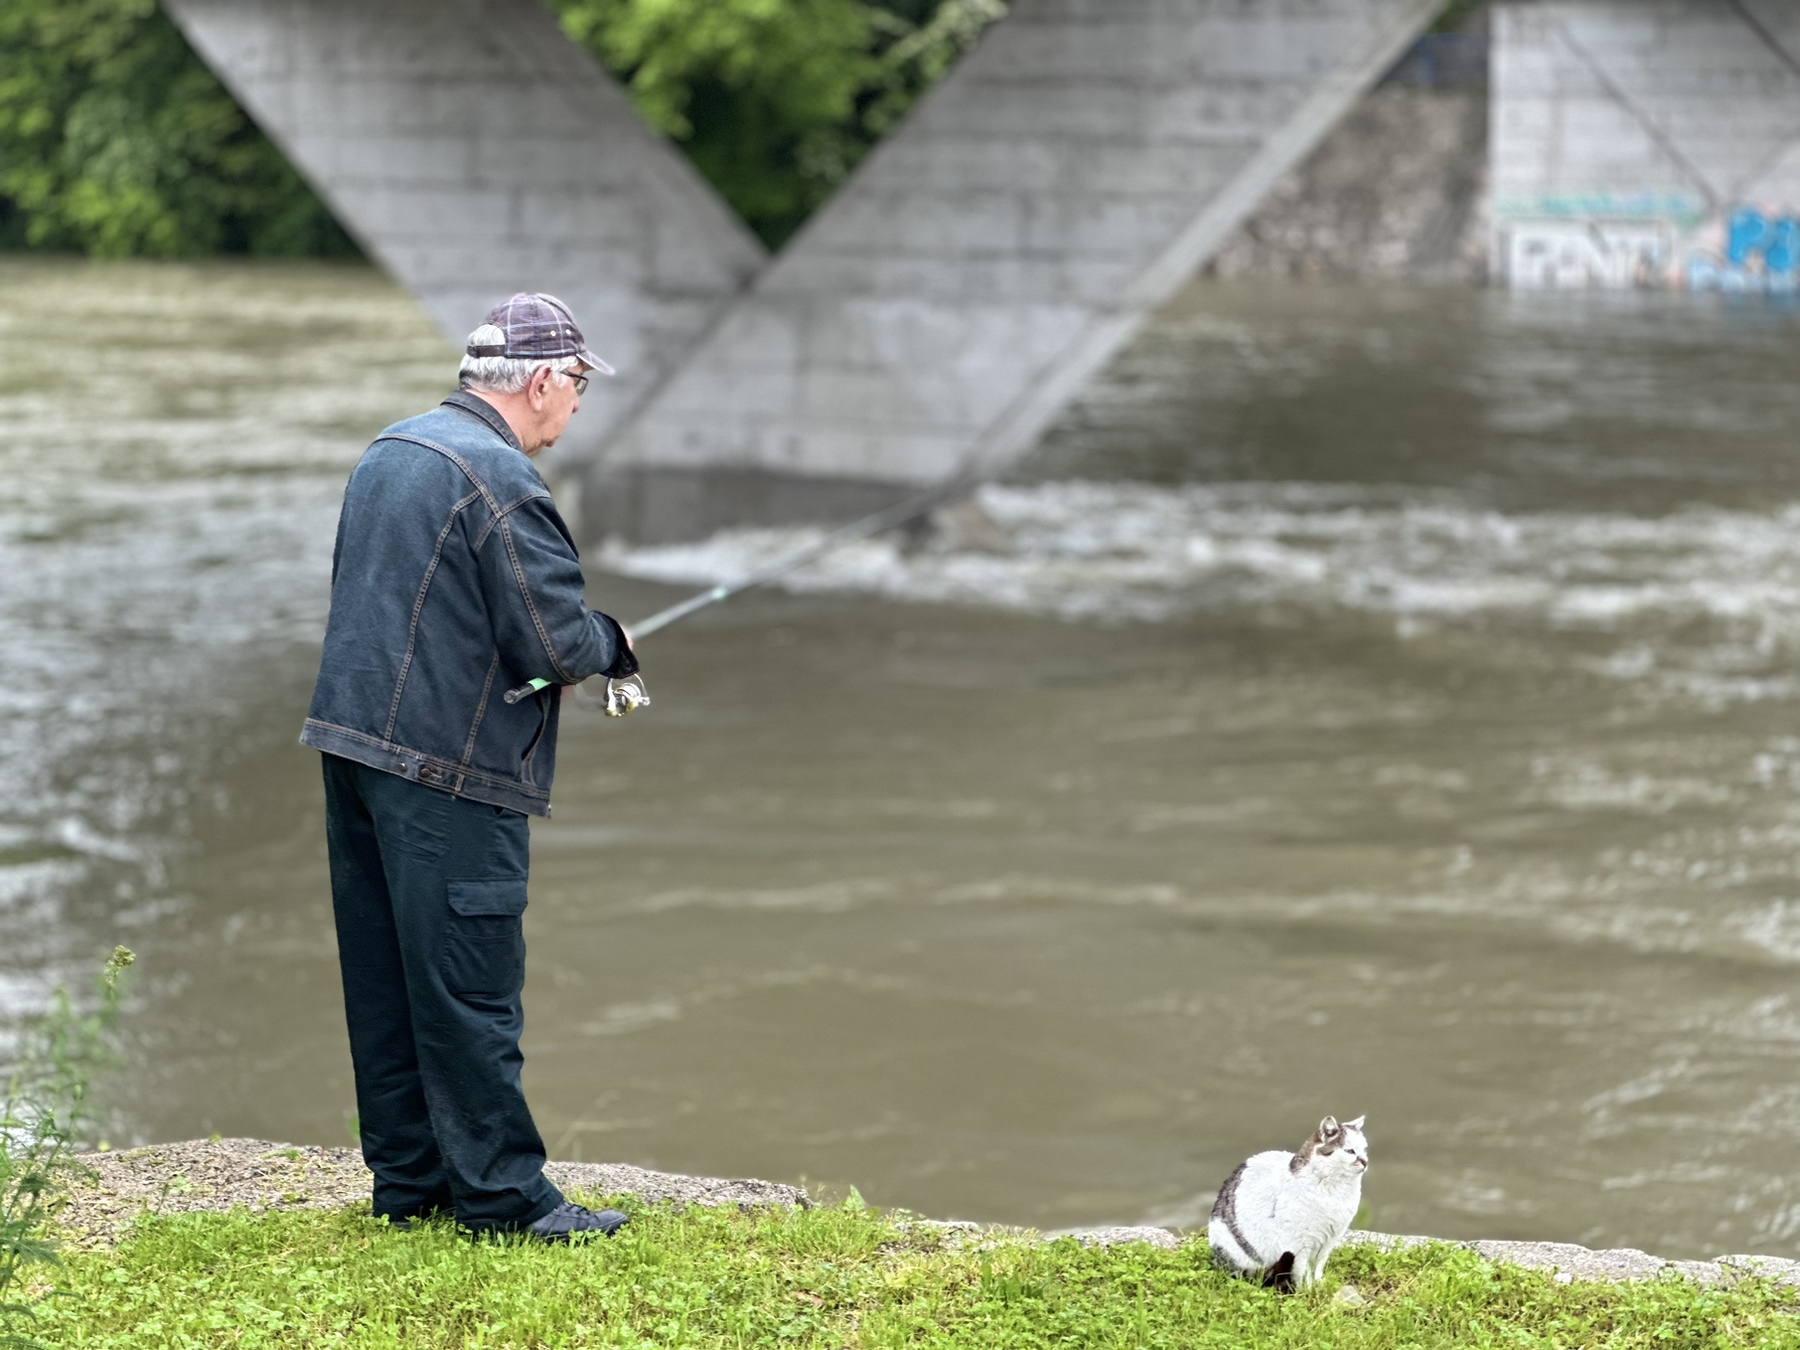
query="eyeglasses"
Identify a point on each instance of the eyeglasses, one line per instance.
(581, 382)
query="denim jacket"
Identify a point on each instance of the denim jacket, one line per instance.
(454, 580)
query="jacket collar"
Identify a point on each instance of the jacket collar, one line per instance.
(475, 406)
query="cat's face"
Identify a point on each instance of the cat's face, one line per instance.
(1340, 1149)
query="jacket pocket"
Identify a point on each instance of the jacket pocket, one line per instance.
(484, 938)
(543, 703)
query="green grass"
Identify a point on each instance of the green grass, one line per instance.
(828, 1277)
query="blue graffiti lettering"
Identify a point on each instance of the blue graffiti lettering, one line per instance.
(1762, 254)
(1782, 251)
(1744, 232)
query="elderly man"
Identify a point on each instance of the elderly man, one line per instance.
(454, 580)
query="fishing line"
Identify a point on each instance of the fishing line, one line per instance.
(627, 694)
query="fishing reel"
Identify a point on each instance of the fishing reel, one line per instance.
(622, 698)
(625, 696)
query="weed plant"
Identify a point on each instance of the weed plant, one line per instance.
(44, 1114)
(838, 1277)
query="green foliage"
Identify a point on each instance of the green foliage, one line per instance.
(1457, 15)
(44, 1111)
(116, 140)
(776, 101)
(845, 1276)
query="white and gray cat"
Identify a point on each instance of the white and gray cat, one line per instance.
(1280, 1215)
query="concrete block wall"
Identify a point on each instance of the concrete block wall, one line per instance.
(1646, 143)
(474, 151)
(1062, 182)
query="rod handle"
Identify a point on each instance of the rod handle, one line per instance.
(525, 690)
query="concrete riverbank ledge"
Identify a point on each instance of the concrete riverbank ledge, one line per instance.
(220, 1174)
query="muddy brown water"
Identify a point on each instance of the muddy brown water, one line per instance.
(1371, 701)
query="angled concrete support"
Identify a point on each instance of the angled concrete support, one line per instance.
(936, 314)
(1647, 143)
(1063, 181)
(474, 151)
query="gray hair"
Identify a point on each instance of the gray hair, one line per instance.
(508, 374)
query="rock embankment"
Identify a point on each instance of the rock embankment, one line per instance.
(1395, 193)
(222, 1173)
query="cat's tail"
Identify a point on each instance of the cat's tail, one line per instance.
(1280, 1276)
(1232, 1254)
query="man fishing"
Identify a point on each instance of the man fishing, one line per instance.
(454, 580)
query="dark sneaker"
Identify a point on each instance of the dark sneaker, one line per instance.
(569, 1218)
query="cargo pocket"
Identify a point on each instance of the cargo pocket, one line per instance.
(484, 942)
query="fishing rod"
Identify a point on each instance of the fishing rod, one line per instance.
(624, 695)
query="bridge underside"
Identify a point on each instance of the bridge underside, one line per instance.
(1036, 206)
(1020, 226)
(1052, 192)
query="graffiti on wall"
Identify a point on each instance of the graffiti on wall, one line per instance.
(1595, 241)
(1555, 255)
(1759, 254)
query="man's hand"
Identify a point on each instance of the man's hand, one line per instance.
(625, 662)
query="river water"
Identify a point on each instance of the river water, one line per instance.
(1376, 701)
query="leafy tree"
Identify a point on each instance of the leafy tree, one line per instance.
(1460, 15)
(116, 139)
(776, 100)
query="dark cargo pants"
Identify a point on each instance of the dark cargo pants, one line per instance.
(429, 893)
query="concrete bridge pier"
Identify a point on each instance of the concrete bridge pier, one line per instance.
(1022, 223)
(1036, 207)
(474, 151)
(1016, 229)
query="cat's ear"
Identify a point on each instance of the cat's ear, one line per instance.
(1328, 1127)
(1356, 1124)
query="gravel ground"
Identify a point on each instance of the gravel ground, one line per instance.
(218, 1174)
(221, 1173)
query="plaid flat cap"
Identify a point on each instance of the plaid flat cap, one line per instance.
(535, 328)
